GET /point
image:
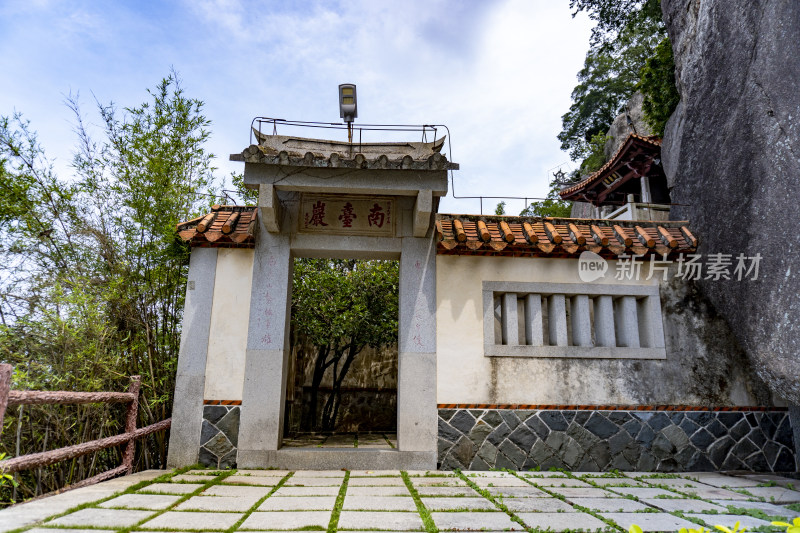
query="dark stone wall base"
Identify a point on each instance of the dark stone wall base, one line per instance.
(597, 441)
(220, 436)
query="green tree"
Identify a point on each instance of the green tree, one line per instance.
(94, 276)
(341, 307)
(551, 206)
(628, 37)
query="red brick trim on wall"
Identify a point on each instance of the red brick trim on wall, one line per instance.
(549, 407)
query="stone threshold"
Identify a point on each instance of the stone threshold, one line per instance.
(336, 459)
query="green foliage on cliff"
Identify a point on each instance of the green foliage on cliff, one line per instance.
(627, 53)
(658, 86)
(93, 275)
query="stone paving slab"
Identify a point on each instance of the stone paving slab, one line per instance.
(378, 503)
(562, 521)
(237, 491)
(500, 482)
(772, 478)
(192, 521)
(538, 505)
(368, 520)
(543, 474)
(443, 491)
(769, 508)
(772, 494)
(380, 473)
(440, 482)
(678, 483)
(580, 492)
(376, 482)
(617, 482)
(191, 478)
(310, 503)
(53, 530)
(720, 480)
(488, 473)
(683, 504)
(322, 473)
(473, 521)
(458, 504)
(114, 518)
(559, 482)
(251, 480)
(171, 488)
(277, 473)
(714, 493)
(314, 482)
(218, 503)
(644, 492)
(141, 501)
(287, 520)
(306, 491)
(650, 521)
(379, 491)
(521, 492)
(728, 520)
(616, 505)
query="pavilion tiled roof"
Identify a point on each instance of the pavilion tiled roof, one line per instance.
(226, 226)
(559, 237)
(616, 161)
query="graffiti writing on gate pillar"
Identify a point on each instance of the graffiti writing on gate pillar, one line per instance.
(347, 215)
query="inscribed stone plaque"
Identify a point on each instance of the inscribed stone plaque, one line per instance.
(347, 215)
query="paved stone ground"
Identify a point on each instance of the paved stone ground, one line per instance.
(272, 500)
(384, 441)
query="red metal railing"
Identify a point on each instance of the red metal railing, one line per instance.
(34, 460)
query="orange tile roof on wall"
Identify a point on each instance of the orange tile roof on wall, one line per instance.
(559, 237)
(226, 226)
(615, 160)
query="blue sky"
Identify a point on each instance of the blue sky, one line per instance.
(498, 73)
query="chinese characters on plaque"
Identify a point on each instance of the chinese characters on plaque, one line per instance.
(348, 215)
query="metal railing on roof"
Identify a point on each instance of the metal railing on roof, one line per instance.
(271, 124)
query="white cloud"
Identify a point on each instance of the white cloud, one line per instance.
(498, 73)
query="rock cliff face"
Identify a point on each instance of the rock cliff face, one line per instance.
(731, 153)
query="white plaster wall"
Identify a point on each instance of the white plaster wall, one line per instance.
(465, 375)
(229, 321)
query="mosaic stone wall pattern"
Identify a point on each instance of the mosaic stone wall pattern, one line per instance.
(220, 436)
(664, 441)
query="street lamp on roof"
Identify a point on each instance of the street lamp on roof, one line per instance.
(348, 107)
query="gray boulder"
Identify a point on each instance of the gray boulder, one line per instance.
(731, 153)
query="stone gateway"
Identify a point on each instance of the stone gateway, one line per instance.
(508, 355)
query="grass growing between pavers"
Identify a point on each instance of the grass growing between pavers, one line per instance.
(558, 496)
(497, 501)
(255, 506)
(677, 514)
(216, 480)
(133, 488)
(337, 507)
(424, 514)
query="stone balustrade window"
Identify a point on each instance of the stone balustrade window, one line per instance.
(572, 320)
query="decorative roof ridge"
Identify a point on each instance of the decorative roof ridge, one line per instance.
(652, 139)
(304, 152)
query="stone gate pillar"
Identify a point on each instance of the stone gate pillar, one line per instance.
(340, 200)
